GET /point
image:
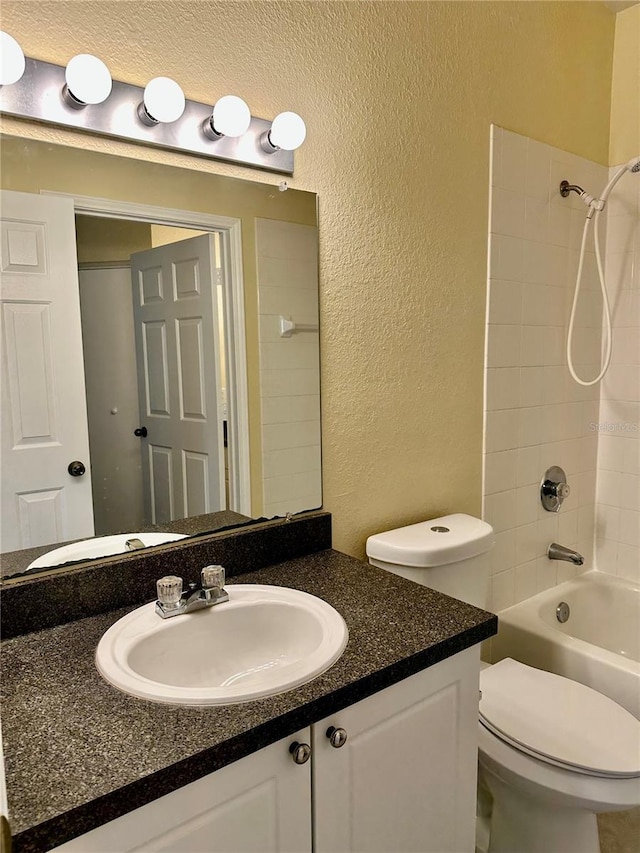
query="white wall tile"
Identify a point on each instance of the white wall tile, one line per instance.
(536, 219)
(630, 492)
(290, 435)
(500, 510)
(513, 162)
(546, 573)
(291, 460)
(609, 487)
(629, 562)
(503, 346)
(527, 504)
(287, 263)
(507, 212)
(533, 272)
(629, 528)
(501, 430)
(527, 543)
(532, 387)
(528, 465)
(538, 170)
(631, 455)
(606, 557)
(565, 571)
(503, 554)
(568, 526)
(500, 471)
(503, 388)
(505, 302)
(559, 225)
(536, 262)
(507, 258)
(526, 580)
(503, 590)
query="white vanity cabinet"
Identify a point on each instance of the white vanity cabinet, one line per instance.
(404, 780)
(259, 804)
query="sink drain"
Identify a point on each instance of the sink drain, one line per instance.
(563, 611)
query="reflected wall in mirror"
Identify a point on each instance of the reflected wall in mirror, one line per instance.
(160, 326)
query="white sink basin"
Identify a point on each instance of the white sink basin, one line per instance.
(101, 546)
(264, 640)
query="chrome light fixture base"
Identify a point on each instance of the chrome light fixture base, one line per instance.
(38, 96)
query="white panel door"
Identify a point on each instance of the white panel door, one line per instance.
(260, 804)
(405, 781)
(44, 418)
(177, 350)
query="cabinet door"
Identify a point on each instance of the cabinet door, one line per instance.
(260, 804)
(405, 780)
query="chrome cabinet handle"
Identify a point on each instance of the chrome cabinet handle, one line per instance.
(300, 752)
(336, 737)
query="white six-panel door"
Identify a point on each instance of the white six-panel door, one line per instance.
(44, 422)
(177, 347)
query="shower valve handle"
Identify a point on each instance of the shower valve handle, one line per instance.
(556, 490)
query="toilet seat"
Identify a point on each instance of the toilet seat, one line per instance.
(559, 722)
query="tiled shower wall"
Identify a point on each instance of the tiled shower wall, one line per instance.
(618, 485)
(287, 268)
(535, 415)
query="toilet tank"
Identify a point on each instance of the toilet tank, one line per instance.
(449, 554)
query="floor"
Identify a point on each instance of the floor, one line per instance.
(620, 832)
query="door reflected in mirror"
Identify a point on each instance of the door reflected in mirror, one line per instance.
(161, 327)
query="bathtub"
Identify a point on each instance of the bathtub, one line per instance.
(598, 645)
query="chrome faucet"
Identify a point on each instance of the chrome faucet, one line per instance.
(173, 600)
(559, 552)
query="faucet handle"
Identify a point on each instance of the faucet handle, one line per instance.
(169, 589)
(212, 577)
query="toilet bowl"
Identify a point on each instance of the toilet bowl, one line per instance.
(552, 753)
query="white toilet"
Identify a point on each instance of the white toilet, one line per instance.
(552, 752)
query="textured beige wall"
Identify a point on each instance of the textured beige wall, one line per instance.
(100, 240)
(398, 98)
(625, 88)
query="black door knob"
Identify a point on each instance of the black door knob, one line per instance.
(141, 432)
(76, 468)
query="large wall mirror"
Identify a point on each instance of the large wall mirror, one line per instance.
(160, 352)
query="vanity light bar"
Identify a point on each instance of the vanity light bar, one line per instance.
(38, 96)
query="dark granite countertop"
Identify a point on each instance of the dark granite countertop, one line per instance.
(79, 753)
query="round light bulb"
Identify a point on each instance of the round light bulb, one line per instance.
(163, 99)
(11, 60)
(287, 131)
(88, 79)
(231, 116)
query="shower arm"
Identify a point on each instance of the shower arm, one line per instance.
(594, 204)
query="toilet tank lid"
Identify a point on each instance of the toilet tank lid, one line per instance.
(436, 542)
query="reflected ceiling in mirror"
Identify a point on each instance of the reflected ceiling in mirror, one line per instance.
(178, 313)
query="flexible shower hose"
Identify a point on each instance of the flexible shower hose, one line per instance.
(595, 209)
